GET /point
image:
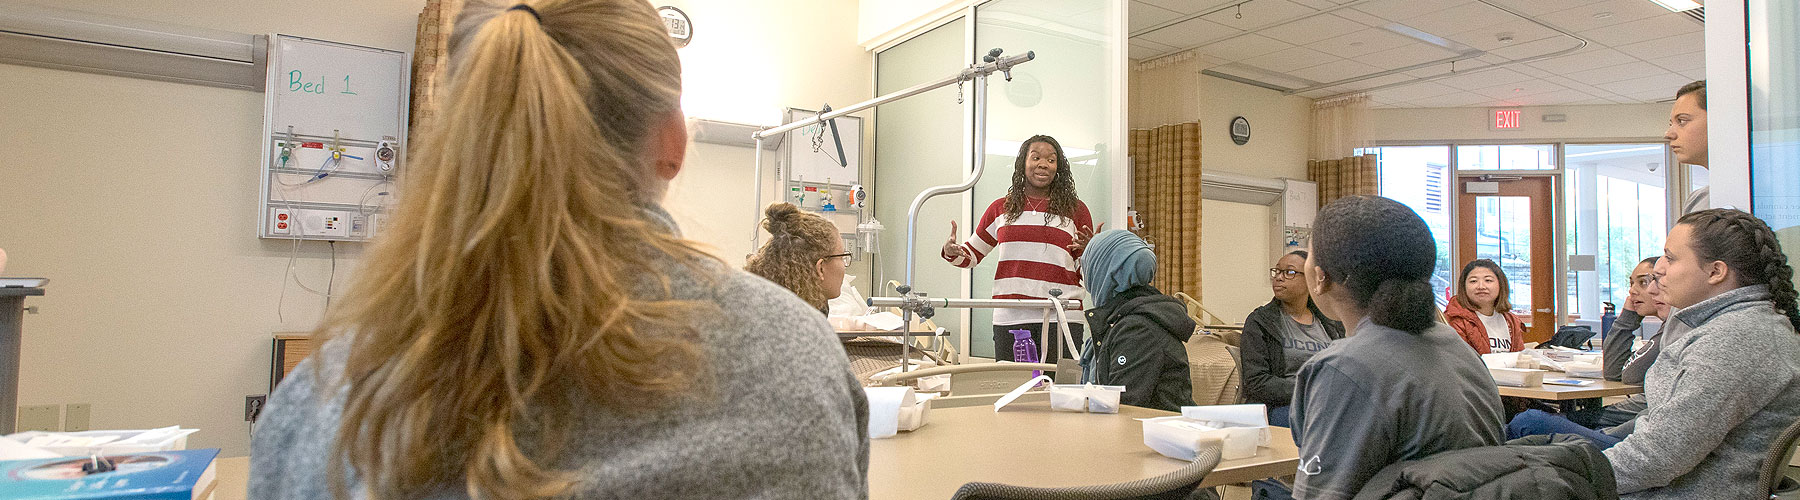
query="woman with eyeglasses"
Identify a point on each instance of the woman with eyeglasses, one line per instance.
(1281, 335)
(804, 254)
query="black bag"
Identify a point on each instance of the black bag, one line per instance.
(1571, 336)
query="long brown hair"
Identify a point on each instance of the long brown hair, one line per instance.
(797, 240)
(1062, 189)
(513, 284)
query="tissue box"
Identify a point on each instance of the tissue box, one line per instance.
(1517, 377)
(1088, 398)
(912, 417)
(1586, 370)
(1181, 438)
(120, 441)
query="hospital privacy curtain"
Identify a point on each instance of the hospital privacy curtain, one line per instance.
(1348, 176)
(1166, 194)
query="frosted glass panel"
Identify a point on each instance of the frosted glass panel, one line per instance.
(1617, 203)
(1066, 93)
(1775, 117)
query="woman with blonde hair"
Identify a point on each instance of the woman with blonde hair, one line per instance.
(533, 325)
(804, 254)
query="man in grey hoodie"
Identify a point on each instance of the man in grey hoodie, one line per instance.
(1722, 390)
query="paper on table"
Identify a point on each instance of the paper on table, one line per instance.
(1020, 391)
(14, 450)
(884, 409)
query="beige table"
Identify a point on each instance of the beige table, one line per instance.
(1601, 388)
(1028, 444)
(233, 478)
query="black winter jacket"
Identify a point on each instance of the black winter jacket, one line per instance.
(1138, 341)
(1265, 365)
(1555, 467)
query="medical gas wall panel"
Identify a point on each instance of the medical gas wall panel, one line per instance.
(334, 139)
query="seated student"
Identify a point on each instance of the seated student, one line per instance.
(1721, 391)
(1399, 386)
(533, 324)
(1281, 335)
(804, 254)
(1480, 311)
(1606, 425)
(1136, 332)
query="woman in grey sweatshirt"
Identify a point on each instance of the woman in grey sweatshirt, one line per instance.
(1723, 389)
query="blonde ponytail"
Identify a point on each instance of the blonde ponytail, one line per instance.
(516, 282)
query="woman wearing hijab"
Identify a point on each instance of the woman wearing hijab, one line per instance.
(1137, 332)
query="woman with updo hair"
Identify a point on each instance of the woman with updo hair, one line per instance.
(804, 254)
(1399, 386)
(1721, 392)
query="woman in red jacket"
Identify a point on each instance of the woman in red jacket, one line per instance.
(1480, 312)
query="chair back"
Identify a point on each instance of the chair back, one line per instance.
(1213, 368)
(1774, 476)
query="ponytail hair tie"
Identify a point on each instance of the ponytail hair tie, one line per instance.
(528, 9)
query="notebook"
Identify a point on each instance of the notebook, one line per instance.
(158, 475)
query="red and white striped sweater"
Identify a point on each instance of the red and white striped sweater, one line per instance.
(1034, 256)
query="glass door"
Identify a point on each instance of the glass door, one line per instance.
(1774, 33)
(1509, 220)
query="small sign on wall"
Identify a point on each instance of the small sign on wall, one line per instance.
(1505, 119)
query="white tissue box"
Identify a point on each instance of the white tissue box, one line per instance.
(1087, 398)
(117, 441)
(1517, 377)
(1182, 438)
(1580, 369)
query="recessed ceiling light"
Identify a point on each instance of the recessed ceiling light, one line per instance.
(1603, 15)
(1678, 5)
(1504, 37)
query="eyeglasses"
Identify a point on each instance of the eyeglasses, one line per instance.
(845, 255)
(1284, 274)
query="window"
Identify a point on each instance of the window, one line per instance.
(1617, 212)
(1419, 177)
(1506, 157)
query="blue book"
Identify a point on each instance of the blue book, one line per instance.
(181, 474)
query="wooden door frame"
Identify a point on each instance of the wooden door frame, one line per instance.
(1545, 246)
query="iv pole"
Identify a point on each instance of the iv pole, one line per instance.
(909, 302)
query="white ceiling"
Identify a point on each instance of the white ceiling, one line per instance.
(1636, 51)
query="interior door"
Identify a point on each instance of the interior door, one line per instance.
(1510, 219)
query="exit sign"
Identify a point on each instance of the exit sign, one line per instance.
(1504, 119)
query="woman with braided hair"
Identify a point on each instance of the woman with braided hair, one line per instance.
(1719, 393)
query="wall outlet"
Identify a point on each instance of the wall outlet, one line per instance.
(75, 416)
(253, 406)
(40, 418)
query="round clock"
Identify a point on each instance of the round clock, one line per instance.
(1240, 130)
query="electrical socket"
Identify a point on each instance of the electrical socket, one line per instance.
(253, 406)
(75, 416)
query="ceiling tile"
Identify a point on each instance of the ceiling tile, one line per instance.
(1484, 79)
(1591, 102)
(1398, 10)
(1318, 94)
(1311, 29)
(1143, 49)
(1665, 83)
(1414, 91)
(1244, 47)
(1519, 89)
(1360, 17)
(1594, 56)
(1519, 30)
(1686, 43)
(1589, 15)
(1144, 15)
(1454, 100)
(1682, 62)
(1651, 96)
(1565, 96)
(1622, 72)
(1533, 49)
(1694, 74)
(1537, 7)
(1458, 19)
(1377, 82)
(1335, 71)
(1405, 55)
(1317, 4)
(1259, 14)
(1190, 33)
(1288, 60)
(1362, 42)
(1186, 6)
(1642, 29)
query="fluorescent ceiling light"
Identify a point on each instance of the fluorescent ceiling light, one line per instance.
(1678, 5)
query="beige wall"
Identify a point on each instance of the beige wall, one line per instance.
(1234, 237)
(1614, 121)
(138, 199)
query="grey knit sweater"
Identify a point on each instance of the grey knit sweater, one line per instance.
(784, 418)
(1719, 394)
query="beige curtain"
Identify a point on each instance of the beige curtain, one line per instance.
(1352, 175)
(1166, 194)
(1339, 126)
(431, 62)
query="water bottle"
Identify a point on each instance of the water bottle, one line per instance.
(1025, 350)
(1606, 321)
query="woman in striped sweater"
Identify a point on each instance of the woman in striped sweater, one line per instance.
(1037, 232)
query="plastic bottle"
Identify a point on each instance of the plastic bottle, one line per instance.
(1025, 350)
(1606, 320)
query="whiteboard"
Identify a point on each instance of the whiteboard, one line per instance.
(324, 97)
(815, 166)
